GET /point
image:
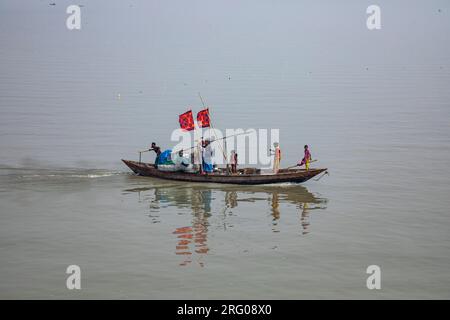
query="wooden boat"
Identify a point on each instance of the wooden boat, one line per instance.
(246, 176)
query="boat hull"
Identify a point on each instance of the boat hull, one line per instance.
(295, 176)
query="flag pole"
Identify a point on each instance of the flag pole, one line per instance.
(233, 135)
(201, 99)
(212, 127)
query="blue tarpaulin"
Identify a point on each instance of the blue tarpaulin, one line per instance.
(165, 157)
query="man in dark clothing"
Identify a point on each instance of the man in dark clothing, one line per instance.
(157, 151)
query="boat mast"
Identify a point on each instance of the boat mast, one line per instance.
(214, 130)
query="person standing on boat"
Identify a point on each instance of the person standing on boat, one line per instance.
(207, 157)
(197, 156)
(306, 158)
(157, 151)
(277, 158)
(233, 161)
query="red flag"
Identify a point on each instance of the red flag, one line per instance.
(187, 121)
(203, 118)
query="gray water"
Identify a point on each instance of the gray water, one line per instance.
(373, 106)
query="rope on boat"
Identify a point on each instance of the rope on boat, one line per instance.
(323, 174)
(140, 154)
(225, 156)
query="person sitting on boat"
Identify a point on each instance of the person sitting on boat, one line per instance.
(181, 161)
(306, 159)
(233, 161)
(157, 150)
(277, 158)
(207, 156)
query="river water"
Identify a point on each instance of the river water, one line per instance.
(373, 106)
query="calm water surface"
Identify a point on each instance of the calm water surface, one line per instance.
(373, 105)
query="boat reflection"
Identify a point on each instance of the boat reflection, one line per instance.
(222, 202)
(193, 239)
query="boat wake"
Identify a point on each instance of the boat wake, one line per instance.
(34, 173)
(281, 184)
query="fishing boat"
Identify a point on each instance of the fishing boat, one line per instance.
(245, 176)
